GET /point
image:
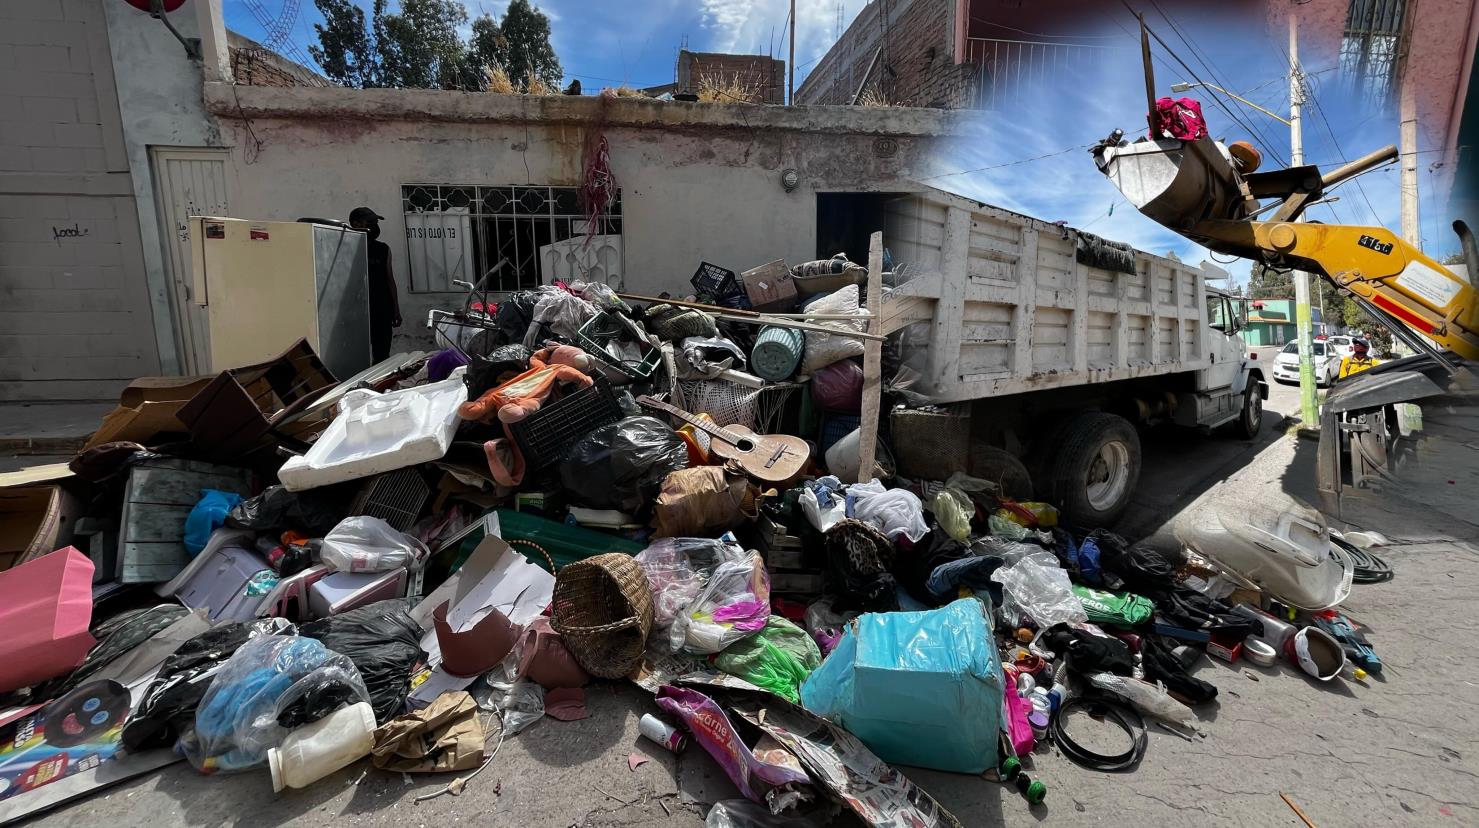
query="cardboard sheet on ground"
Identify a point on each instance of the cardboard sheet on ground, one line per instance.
(71, 748)
(494, 577)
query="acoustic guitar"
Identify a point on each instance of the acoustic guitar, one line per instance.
(772, 458)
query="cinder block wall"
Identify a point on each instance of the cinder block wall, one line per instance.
(74, 312)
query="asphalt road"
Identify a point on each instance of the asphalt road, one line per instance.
(1180, 464)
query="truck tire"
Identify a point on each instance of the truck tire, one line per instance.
(1094, 469)
(1001, 467)
(1250, 416)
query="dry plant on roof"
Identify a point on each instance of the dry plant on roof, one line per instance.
(729, 89)
(625, 91)
(874, 97)
(496, 80)
(537, 87)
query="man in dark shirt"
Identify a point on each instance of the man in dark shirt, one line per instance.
(385, 304)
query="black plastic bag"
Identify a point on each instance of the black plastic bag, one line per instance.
(621, 465)
(313, 512)
(484, 373)
(168, 707)
(1161, 665)
(1139, 568)
(385, 645)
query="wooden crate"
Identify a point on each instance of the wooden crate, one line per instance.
(159, 497)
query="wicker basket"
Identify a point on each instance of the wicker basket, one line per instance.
(603, 611)
(929, 445)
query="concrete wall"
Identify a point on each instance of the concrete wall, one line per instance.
(699, 182)
(75, 317)
(159, 89)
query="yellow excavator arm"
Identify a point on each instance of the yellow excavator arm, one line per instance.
(1371, 263)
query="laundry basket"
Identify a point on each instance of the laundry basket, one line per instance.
(603, 611)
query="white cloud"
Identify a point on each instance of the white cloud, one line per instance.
(745, 26)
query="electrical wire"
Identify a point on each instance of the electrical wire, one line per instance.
(1320, 110)
(1006, 164)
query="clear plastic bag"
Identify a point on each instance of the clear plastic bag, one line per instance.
(677, 569)
(1150, 699)
(369, 544)
(894, 511)
(735, 603)
(557, 313)
(270, 679)
(519, 702)
(1036, 586)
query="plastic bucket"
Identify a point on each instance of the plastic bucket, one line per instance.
(777, 352)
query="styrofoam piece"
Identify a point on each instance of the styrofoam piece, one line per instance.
(377, 433)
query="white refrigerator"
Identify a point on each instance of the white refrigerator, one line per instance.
(266, 284)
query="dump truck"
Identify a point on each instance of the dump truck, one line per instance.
(1058, 346)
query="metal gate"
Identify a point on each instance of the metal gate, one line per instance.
(187, 182)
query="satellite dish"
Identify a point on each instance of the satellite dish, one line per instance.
(157, 9)
(148, 5)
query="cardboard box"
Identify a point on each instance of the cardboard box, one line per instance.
(35, 521)
(770, 286)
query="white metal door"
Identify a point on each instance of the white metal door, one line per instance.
(188, 182)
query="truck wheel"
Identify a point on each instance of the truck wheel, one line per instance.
(1093, 473)
(1002, 468)
(1250, 420)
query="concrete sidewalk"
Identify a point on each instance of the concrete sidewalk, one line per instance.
(1398, 749)
(49, 428)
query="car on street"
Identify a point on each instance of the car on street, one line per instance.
(1341, 345)
(1327, 363)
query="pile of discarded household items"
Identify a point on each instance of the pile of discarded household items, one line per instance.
(277, 572)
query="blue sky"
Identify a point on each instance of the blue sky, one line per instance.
(610, 43)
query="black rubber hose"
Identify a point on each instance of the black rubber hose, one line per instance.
(1368, 569)
(1120, 714)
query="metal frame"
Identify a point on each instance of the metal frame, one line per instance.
(507, 222)
(1005, 69)
(1371, 47)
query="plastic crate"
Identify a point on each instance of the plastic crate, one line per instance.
(607, 327)
(720, 286)
(835, 426)
(548, 433)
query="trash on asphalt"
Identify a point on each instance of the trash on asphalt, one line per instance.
(454, 548)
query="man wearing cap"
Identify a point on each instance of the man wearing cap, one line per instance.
(385, 303)
(1358, 361)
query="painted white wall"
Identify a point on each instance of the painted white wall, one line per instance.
(159, 94)
(688, 195)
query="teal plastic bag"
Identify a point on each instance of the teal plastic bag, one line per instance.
(778, 658)
(918, 688)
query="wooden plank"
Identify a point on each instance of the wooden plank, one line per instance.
(167, 487)
(944, 348)
(151, 563)
(149, 523)
(872, 360)
(1026, 302)
(1178, 320)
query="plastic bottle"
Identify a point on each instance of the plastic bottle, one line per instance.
(316, 750)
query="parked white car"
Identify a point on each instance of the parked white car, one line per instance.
(1341, 345)
(1327, 363)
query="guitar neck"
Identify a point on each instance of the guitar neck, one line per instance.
(696, 422)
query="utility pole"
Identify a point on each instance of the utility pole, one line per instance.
(1308, 409)
(1407, 141)
(791, 60)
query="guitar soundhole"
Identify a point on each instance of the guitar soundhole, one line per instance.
(745, 445)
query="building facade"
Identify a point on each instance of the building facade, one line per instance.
(113, 138)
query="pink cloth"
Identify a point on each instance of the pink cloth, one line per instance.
(45, 610)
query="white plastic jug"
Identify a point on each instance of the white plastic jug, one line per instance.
(316, 750)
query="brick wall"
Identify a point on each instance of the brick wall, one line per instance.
(766, 76)
(915, 66)
(74, 313)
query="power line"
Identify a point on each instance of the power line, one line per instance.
(1007, 164)
(1320, 110)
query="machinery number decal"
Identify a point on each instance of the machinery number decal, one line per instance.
(1384, 248)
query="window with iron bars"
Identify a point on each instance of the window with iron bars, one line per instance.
(1370, 51)
(460, 232)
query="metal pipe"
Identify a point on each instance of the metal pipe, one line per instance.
(1354, 168)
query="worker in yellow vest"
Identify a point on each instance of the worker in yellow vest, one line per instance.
(1359, 360)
